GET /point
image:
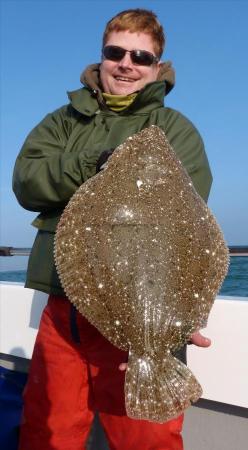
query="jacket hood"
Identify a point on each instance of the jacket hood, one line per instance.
(90, 78)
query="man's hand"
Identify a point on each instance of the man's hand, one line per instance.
(196, 339)
(103, 158)
(123, 366)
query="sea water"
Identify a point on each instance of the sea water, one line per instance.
(235, 284)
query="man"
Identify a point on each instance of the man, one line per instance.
(74, 370)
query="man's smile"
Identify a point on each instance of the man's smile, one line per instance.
(123, 78)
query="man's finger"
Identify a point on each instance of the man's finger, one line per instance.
(123, 366)
(200, 340)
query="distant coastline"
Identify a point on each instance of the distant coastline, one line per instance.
(238, 250)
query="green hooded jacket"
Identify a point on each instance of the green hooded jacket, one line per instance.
(61, 153)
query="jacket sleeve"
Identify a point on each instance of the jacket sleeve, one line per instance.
(45, 174)
(189, 147)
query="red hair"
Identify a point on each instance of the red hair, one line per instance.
(138, 21)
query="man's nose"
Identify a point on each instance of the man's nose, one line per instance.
(126, 60)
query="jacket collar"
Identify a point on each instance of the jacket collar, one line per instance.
(89, 100)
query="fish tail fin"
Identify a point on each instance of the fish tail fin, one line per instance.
(159, 390)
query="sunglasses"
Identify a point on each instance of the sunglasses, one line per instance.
(140, 57)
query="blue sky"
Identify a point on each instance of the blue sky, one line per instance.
(46, 45)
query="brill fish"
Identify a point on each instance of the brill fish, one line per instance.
(142, 257)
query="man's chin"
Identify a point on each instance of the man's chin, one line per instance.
(122, 89)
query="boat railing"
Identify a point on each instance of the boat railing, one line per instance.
(14, 251)
(238, 250)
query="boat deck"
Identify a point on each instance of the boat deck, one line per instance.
(217, 422)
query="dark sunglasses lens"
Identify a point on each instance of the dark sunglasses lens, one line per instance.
(113, 53)
(142, 57)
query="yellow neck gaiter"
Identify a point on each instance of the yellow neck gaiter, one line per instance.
(118, 102)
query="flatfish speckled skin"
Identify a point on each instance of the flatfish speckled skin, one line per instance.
(141, 256)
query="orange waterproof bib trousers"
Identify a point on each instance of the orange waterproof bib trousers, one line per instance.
(69, 381)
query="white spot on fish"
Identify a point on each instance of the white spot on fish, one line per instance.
(139, 183)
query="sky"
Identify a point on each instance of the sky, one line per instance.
(45, 45)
